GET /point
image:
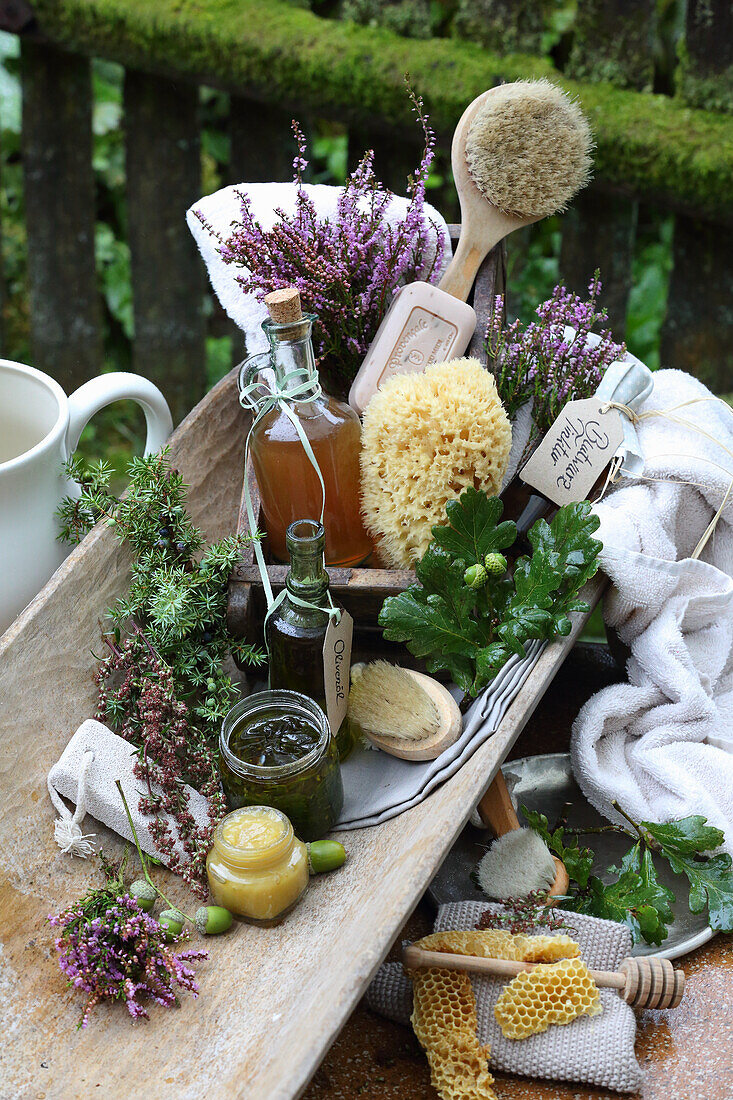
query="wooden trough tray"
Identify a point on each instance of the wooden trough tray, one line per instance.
(271, 1000)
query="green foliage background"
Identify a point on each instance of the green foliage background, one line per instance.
(534, 254)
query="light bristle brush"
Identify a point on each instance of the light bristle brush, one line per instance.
(403, 712)
(518, 862)
(520, 153)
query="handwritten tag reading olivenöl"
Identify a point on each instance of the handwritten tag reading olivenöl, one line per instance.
(575, 452)
(336, 668)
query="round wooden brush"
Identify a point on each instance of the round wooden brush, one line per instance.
(520, 153)
(403, 712)
(518, 862)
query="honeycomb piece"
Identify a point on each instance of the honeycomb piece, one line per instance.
(426, 437)
(552, 993)
(494, 943)
(444, 1021)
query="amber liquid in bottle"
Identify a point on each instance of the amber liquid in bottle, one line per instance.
(288, 484)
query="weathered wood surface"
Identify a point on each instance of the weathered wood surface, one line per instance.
(599, 231)
(613, 40)
(66, 335)
(271, 1000)
(163, 162)
(707, 67)
(700, 304)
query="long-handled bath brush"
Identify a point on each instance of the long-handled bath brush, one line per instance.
(518, 862)
(520, 153)
(403, 712)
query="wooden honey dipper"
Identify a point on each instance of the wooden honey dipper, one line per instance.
(643, 983)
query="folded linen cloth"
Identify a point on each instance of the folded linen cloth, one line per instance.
(223, 207)
(93, 760)
(378, 787)
(662, 743)
(594, 1050)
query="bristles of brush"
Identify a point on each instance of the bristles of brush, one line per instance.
(529, 149)
(515, 865)
(387, 701)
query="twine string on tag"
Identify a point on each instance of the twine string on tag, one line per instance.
(670, 414)
(294, 387)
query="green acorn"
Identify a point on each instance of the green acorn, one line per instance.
(213, 919)
(475, 576)
(495, 564)
(325, 855)
(172, 920)
(144, 894)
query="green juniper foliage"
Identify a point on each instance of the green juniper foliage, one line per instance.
(632, 893)
(178, 588)
(162, 684)
(467, 615)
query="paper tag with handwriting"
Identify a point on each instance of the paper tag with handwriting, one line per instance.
(575, 452)
(336, 668)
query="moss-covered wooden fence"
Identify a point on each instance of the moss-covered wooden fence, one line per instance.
(276, 58)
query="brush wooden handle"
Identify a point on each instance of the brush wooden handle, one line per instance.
(642, 982)
(496, 808)
(482, 224)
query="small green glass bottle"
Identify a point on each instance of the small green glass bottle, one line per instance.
(295, 634)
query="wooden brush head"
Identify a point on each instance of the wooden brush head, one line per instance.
(528, 148)
(520, 152)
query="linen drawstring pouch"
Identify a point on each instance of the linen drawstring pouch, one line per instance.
(86, 775)
(592, 1050)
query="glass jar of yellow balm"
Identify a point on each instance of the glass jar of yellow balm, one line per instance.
(257, 869)
(276, 749)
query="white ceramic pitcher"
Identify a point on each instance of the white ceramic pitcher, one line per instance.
(39, 430)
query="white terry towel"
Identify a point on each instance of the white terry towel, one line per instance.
(662, 744)
(223, 207)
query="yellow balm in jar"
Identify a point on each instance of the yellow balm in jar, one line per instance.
(257, 869)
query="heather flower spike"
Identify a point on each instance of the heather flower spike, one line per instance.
(111, 950)
(347, 268)
(543, 362)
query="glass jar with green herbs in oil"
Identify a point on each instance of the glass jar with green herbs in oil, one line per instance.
(276, 749)
(296, 630)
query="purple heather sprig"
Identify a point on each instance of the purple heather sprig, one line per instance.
(110, 949)
(542, 362)
(348, 267)
(171, 751)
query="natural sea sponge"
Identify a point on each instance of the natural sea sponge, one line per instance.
(427, 437)
(529, 148)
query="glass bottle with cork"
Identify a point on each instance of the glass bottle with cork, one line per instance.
(297, 630)
(288, 483)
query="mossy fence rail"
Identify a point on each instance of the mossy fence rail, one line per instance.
(276, 58)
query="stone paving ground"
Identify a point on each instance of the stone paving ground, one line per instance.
(687, 1053)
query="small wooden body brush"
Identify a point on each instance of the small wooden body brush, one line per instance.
(403, 712)
(518, 861)
(520, 153)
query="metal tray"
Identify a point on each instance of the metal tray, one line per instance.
(546, 783)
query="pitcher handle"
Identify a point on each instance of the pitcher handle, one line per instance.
(118, 386)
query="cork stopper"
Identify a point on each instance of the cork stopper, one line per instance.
(284, 305)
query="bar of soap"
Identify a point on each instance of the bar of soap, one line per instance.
(423, 325)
